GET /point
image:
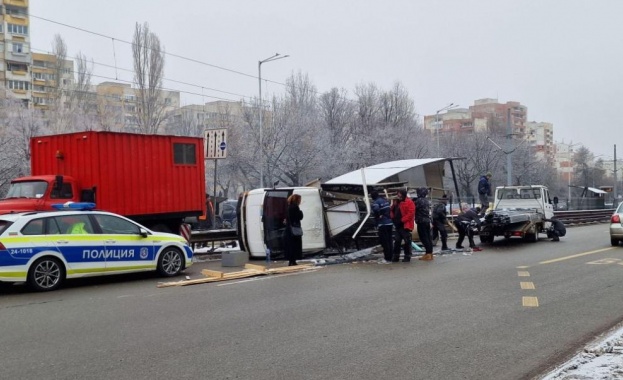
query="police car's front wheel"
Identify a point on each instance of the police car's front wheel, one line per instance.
(46, 274)
(171, 262)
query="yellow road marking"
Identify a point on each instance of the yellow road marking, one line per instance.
(523, 267)
(574, 256)
(530, 301)
(523, 273)
(527, 285)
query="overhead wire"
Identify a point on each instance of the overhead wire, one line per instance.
(163, 78)
(317, 94)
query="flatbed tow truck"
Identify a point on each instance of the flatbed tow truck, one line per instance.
(518, 211)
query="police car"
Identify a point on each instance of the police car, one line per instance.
(45, 248)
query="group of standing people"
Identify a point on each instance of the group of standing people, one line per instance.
(396, 221)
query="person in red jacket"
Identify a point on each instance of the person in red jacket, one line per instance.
(403, 216)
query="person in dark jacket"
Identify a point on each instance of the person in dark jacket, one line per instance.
(293, 245)
(556, 230)
(440, 219)
(484, 191)
(403, 215)
(462, 224)
(384, 225)
(422, 219)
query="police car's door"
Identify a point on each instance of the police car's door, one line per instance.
(127, 250)
(82, 249)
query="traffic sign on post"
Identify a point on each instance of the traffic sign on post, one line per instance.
(215, 141)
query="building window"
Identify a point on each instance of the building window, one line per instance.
(17, 29)
(16, 67)
(184, 154)
(18, 85)
(18, 47)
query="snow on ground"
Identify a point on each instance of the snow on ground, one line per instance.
(602, 359)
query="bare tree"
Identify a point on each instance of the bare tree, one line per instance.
(59, 115)
(148, 57)
(18, 125)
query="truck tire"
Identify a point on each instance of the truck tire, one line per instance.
(46, 274)
(532, 238)
(614, 242)
(170, 262)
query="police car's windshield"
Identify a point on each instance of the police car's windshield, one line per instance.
(29, 189)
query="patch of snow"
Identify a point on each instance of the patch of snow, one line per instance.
(599, 360)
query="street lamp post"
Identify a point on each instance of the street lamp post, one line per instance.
(259, 75)
(448, 107)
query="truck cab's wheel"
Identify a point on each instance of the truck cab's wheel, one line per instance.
(170, 262)
(614, 242)
(45, 274)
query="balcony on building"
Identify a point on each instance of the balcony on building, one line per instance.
(17, 57)
(17, 3)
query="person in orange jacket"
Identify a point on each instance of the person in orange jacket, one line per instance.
(403, 216)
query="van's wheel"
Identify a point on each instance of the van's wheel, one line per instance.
(46, 274)
(170, 262)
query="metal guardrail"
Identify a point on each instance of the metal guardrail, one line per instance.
(584, 216)
(209, 236)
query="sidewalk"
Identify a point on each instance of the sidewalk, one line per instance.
(601, 359)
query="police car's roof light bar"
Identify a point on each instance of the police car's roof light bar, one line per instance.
(74, 206)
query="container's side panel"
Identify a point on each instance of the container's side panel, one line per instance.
(72, 154)
(134, 174)
(144, 178)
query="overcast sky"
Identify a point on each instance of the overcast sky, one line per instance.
(563, 59)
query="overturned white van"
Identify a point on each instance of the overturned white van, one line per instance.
(335, 215)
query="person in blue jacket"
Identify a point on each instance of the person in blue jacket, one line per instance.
(484, 191)
(384, 225)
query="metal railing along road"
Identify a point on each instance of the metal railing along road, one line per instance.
(584, 216)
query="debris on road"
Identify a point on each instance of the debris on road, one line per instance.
(250, 270)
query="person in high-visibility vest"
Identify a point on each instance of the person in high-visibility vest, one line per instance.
(77, 228)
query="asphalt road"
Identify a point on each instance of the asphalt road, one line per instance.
(459, 317)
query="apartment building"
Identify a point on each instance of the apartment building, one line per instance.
(117, 105)
(541, 137)
(195, 118)
(15, 56)
(485, 115)
(50, 79)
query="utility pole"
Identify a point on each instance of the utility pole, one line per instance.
(614, 189)
(509, 147)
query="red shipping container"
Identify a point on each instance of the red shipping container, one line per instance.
(144, 177)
